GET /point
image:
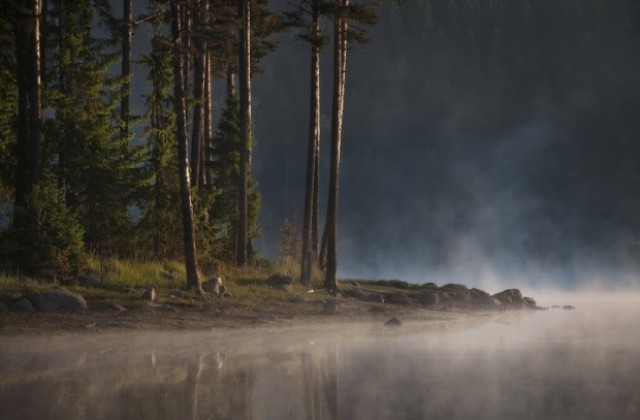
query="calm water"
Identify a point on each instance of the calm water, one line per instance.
(582, 364)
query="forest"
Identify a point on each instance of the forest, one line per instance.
(82, 176)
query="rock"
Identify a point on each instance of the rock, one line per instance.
(429, 286)
(90, 280)
(366, 295)
(483, 300)
(427, 298)
(118, 308)
(393, 322)
(278, 279)
(568, 307)
(23, 305)
(556, 306)
(9, 298)
(150, 294)
(212, 285)
(397, 298)
(224, 292)
(510, 298)
(178, 294)
(330, 307)
(283, 287)
(3, 307)
(529, 302)
(58, 300)
(457, 292)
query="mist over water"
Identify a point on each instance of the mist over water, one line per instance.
(554, 364)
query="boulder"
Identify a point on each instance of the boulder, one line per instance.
(279, 279)
(429, 286)
(3, 307)
(457, 292)
(568, 307)
(483, 300)
(150, 294)
(178, 294)
(529, 302)
(117, 307)
(58, 300)
(223, 292)
(212, 285)
(22, 305)
(90, 280)
(510, 298)
(283, 287)
(9, 298)
(393, 322)
(362, 294)
(330, 307)
(427, 298)
(397, 298)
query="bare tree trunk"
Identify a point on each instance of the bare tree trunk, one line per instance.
(245, 127)
(208, 119)
(231, 81)
(308, 254)
(127, 29)
(193, 281)
(339, 69)
(315, 214)
(197, 132)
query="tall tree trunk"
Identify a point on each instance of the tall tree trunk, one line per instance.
(193, 281)
(27, 38)
(245, 127)
(308, 254)
(208, 119)
(315, 214)
(125, 88)
(231, 80)
(198, 94)
(339, 73)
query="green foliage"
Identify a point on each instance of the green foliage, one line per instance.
(161, 224)
(226, 171)
(82, 142)
(45, 238)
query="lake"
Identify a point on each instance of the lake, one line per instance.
(554, 364)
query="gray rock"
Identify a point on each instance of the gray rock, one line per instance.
(397, 298)
(224, 292)
(150, 294)
(278, 279)
(427, 298)
(393, 322)
(117, 307)
(529, 302)
(58, 300)
(178, 294)
(457, 292)
(90, 280)
(3, 307)
(510, 298)
(366, 295)
(9, 298)
(283, 287)
(330, 307)
(483, 300)
(22, 305)
(568, 307)
(212, 285)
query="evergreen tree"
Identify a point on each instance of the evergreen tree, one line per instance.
(83, 147)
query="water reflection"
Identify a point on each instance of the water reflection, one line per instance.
(553, 365)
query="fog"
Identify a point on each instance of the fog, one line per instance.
(553, 364)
